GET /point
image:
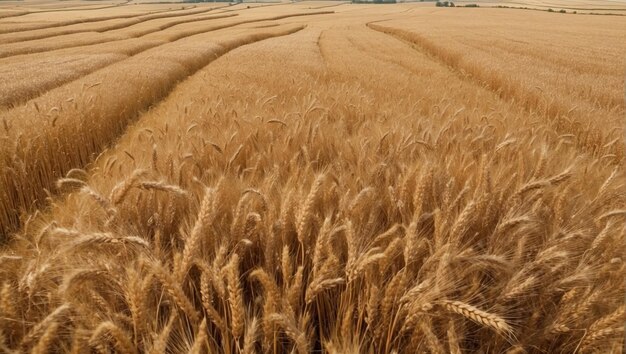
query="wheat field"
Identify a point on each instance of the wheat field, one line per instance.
(310, 177)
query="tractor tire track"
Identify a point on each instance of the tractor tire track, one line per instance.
(16, 89)
(99, 108)
(12, 27)
(65, 10)
(563, 120)
(88, 38)
(111, 24)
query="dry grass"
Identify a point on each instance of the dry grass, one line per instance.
(339, 188)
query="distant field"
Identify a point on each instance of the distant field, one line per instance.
(580, 6)
(601, 4)
(311, 177)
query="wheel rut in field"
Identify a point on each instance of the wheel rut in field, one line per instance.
(15, 14)
(125, 3)
(556, 64)
(450, 59)
(110, 24)
(79, 39)
(11, 27)
(76, 130)
(16, 96)
(320, 49)
(558, 115)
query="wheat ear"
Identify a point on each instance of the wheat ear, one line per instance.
(479, 316)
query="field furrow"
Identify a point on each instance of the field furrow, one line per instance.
(100, 26)
(94, 110)
(12, 13)
(36, 20)
(167, 32)
(183, 30)
(18, 85)
(25, 77)
(12, 27)
(81, 8)
(566, 119)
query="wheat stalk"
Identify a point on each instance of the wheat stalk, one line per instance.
(46, 340)
(307, 208)
(174, 291)
(235, 297)
(299, 337)
(37, 330)
(200, 339)
(250, 338)
(192, 243)
(160, 343)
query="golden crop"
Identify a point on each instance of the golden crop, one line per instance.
(312, 178)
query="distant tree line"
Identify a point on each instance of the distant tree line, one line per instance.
(451, 4)
(196, 1)
(374, 1)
